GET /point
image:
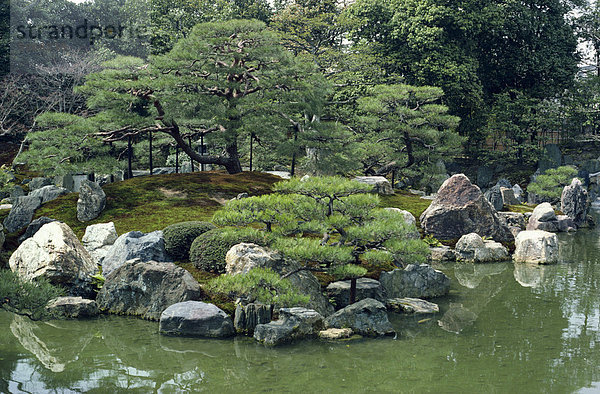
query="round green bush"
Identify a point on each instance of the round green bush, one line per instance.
(180, 236)
(209, 249)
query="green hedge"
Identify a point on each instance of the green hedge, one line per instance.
(209, 249)
(180, 236)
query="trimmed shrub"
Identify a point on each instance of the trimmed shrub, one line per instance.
(180, 236)
(550, 184)
(209, 249)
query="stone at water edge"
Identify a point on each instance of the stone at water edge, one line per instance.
(442, 253)
(543, 218)
(196, 318)
(366, 317)
(365, 288)
(411, 305)
(472, 247)
(21, 213)
(536, 246)
(91, 202)
(335, 333)
(247, 317)
(419, 281)
(146, 289)
(574, 202)
(72, 307)
(460, 208)
(294, 323)
(55, 253)
(380, 184)
(135, 245)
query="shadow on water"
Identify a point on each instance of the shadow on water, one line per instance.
(505, 327)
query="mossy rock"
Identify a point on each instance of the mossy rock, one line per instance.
(180, 236)
(209, 249)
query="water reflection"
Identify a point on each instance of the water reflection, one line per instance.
(529, 275)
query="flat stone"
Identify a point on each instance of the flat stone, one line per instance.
(72, 307)
(411, 305)
(366, 317)
(335, 333)
(442, 253)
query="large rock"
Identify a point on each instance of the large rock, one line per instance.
(98, 239)
(34, 226)
(55, 253)
(195, 318)
(460, 208)
(508, 196)
(293, 324)
(91, 202)
(543, 218)
(366, 317)
(247, 317)
(135, 245)
(537, 246)
(494, 196)
(243, 257)
(48, 193)
(146, 289)
(514, 221)
(574, 202)
(21, 213)
(473, 248)
(72, 307)
(418, 281)
(39, 182)
(380, 184)
(365, 288)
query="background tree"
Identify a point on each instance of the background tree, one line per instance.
(408, 128)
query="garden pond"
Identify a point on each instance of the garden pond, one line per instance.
(504, 327)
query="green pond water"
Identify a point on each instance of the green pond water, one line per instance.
(504, 328)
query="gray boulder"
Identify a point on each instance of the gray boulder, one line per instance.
(473, 248)
(55, 253)
(195, 318)
(380, 184)
(34, 226)
(247, 317)
(365, 288)
(135, 245)
(460, 208)
(543, 218)
(508, 196)
(16, 192)
(39, 182)
(91, 202)
(565, 223)
(366, 317)
(98, 239)
(72, 307)
(293, 324)
(537, 246)
(411, 305)
(494, 196)
(48, 193)
(243, 257)
(442, 253)
(146, 289)
(514, 221)
(21, 213)
(574, 202)
(518, 192)
(418, 281)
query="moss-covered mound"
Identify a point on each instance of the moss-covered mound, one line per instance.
(179, 237)
(152, 203)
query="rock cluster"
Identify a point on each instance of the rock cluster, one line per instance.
(460, 208)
